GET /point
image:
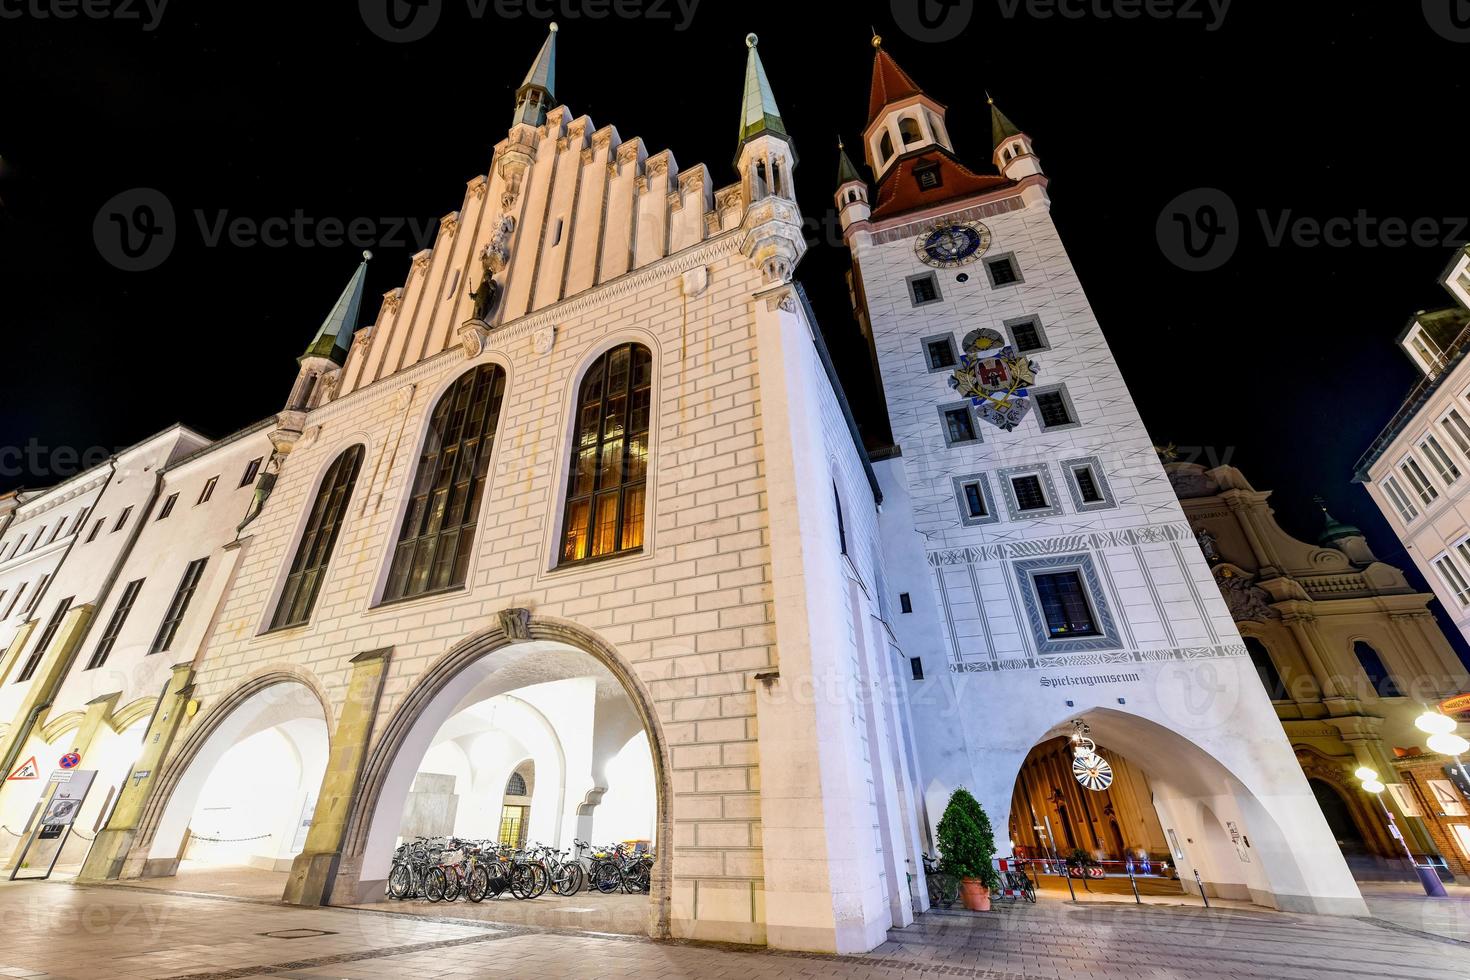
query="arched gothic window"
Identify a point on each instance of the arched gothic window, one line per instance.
(438, 532)
(515, 785)
(1266, 669)
(605, 491)
(314, 552)
(909, 130)
(1378, 674)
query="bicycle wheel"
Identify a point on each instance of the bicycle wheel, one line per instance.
(541, 878)
(478, 885)
(452, 884)
(569, 881)
(522, 882)
(1028, 888)
(606, 877)
(400, 879)
(435, 884)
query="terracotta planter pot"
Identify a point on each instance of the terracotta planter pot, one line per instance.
(974, 895)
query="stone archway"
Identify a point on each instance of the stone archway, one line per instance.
(516, 645)
(261, 703)
(1249, 842)
(1323, 771)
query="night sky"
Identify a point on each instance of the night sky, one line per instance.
(1281, 361)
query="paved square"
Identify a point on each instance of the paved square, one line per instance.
(59, 931)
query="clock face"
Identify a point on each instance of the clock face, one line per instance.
(1093, 772)
(946, 246)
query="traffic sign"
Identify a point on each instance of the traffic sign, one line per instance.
(71, 760)
(27, 770)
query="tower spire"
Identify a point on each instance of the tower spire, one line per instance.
(846, 170)
(1001, 128)
(334, 336)
(759, 115)
(537, 91)
(890, 82)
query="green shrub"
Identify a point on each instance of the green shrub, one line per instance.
(967, 841)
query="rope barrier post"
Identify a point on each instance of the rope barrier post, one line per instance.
(1203, 897)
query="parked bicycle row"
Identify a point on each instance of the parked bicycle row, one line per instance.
(444, 868)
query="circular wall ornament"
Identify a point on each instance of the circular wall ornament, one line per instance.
(947, 246)
(1093, 772)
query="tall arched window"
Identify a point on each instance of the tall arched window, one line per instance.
(885, 147)
(438, 533)
(315, 550)
(1266, 669)
(909, 130)
(1378, 674)
(605, 492)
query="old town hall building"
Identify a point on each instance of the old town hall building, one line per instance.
(576, 538)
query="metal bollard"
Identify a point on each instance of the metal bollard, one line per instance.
(1201, 885)
(1067, 874)
(1134, 884)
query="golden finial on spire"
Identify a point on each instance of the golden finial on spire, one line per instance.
(989, 99)
(877, 38)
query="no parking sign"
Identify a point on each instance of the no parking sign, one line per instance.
(71, 760)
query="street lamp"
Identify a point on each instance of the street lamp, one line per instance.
(1428, 877)
(1442, 737)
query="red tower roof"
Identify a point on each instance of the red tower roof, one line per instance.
(890, 84)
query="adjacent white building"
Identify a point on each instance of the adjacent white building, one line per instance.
(1418, 468)
(578, 538)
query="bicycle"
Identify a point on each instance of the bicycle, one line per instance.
(1017, 880)
(944, 888)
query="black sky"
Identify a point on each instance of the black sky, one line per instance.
(1281, 362)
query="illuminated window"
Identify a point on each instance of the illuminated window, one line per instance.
(438, 532)
(605, 490)
(169, 628)
(315, 550)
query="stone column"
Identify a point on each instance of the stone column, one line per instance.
(97, 712)
(315, 868)
(1303, 630)
(1245, 516)
(110, 851)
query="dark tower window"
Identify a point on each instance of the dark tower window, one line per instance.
(1378, 674)
(1064, 604)
(605, 492)
(1266, 668)
(438, 532)
(928, 177)
(910, 131)
(315, 550)
(885, 147)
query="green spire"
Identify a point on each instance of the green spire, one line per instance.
(1334, 530)
(758, 112)
(536, 93)
(846, 171)
(335, 336)
(1001, 128)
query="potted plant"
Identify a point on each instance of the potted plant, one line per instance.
(967, 845)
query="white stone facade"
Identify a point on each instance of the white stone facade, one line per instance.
(1164, 677)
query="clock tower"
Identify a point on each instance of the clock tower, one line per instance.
(1047, 573)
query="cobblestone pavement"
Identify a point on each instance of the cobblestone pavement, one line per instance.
(58, 931)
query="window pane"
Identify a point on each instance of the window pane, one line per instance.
(1064, 605)
(437, 536)
(605, 497)
(1029, 495)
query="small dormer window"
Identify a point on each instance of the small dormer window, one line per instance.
(928, 177)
